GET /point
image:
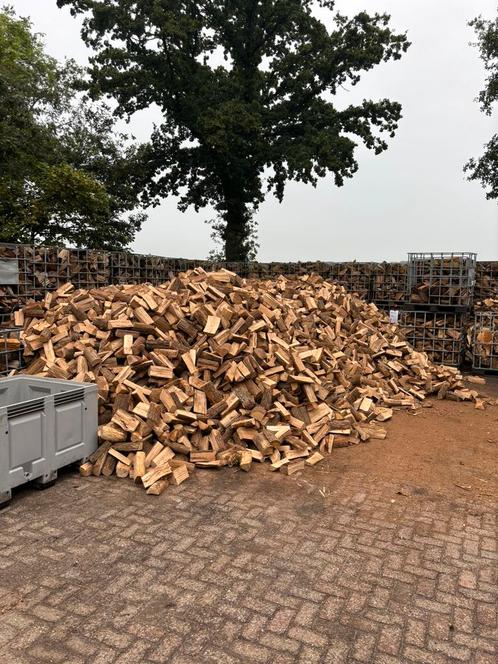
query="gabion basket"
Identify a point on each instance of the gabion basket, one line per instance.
(439, 334)
(485, 341)
(444, 279)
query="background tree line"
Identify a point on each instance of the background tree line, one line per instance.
(247, 95)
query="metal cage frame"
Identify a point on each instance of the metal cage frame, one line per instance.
(10, 358)
(429, 331)
(446, 279)
(485, 353)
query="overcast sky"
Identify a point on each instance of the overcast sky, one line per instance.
(414, 197)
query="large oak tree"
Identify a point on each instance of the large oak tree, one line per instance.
(246, 89)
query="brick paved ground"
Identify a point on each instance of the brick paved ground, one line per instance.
(232, 567)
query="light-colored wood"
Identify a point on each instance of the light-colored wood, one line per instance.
(245, 460)
(179, 475)
(221, 371)
(292, 467)
(315, 458)
(123, 469)
(212, 325)
(156, 474)
(277, 465)
(111, 433)
(195, 457)
(166, 454)
(120, 457)
(157, 488)
(139, 469)
(86, 469)
(155, 450)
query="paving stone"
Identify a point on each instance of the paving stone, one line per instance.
(235, 570)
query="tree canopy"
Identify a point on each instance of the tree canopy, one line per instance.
(246, 89)
(65, 174)
(485, 168)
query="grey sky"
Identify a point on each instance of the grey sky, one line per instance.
(414, 197)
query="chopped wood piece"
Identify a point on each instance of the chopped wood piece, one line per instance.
(120, 457)
(315, 458)
(153, 452)
(195, 457)
(155, 474)
(139, 466)
(277, 465)
(112, 434)
(109, 466)
(292, 467)
(478, 380)
(179, 475)
(164, 455)
(86, 469)
(212, 325)
(245, 460)
(123, 469)
(157, 488)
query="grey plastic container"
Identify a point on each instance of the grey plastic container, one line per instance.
(45, 424)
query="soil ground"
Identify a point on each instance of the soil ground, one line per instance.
(385, 553)
(446, 449)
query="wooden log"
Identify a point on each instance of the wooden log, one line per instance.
(156, 474)
(179, 475)
(245, 461)
(139, 468)
(157, 488)
(86, 469)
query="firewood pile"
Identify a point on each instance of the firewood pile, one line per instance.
(487, 304)
(210, 370)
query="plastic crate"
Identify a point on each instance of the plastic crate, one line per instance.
(45, 424)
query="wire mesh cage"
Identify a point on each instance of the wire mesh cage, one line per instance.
(486, 280)
(439, 334)
(485, 341)
(48, 271)
(442, 279)
(355, 277)
(389, 283)
(127, 268)
(16, 287)
(86, 268)
(10, 350)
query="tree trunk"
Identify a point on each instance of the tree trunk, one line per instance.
(236, 230)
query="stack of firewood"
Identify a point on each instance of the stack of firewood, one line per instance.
(439, 334)
(488, 304)
(482, 335)
(486, 280)
(210, 370)
(389, 282)
(10, 350)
